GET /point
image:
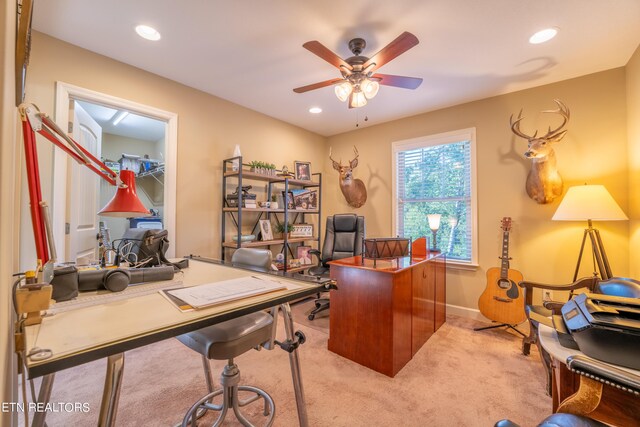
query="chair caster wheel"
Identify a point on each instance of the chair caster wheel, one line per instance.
(311, 316)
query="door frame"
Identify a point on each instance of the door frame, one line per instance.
(66, 92)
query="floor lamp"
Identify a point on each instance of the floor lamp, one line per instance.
(590, 203)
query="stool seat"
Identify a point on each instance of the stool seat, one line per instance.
(231, 338)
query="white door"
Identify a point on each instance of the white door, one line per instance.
(83, 190)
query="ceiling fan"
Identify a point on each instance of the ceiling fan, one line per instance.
(359, 82)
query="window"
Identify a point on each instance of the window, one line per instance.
(436, 175)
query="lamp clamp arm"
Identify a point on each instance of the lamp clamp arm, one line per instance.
(42, 123)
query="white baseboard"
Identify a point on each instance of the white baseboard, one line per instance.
(470, 313)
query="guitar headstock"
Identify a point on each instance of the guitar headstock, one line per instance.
(506, 223)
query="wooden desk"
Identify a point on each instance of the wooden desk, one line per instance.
(616, 407)
(109, 329)
(380, 317)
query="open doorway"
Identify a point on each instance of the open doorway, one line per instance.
(132, 136)
(128, 141)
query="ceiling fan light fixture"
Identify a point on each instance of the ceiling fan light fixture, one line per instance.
(370, 88)
(357, 99)
(343, 90)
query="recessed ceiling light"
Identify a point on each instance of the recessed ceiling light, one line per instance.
(147, 32)
(543, 35)
(315, 110)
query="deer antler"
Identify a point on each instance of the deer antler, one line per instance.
(331, 158)
(564, 112)
(355, 150)
(515, 127)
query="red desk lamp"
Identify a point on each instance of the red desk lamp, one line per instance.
(125, 202)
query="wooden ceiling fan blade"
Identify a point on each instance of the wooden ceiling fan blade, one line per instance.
(320, 50)
(400, 45)
(318, 85)
(398, 81)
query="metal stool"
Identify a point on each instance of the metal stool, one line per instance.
(224, 341)
(227, 340)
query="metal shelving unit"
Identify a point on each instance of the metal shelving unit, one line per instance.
(239, 214)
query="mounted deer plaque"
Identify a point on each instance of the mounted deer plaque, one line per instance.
(544, 183)
(353, 189)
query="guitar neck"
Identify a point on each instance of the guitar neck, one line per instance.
(504, 267)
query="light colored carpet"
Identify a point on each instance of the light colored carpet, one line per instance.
(458, 378)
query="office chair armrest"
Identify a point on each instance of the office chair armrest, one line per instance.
(316, 253)
(585, 282)
(554, 306)
(604, 373)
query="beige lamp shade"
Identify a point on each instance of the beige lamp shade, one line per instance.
(588, 202)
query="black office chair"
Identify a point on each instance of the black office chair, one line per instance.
(343, 238)
(229, 339)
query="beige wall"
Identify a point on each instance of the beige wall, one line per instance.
(8, 153)
(208, 129)
(633, 122)
(594, 151)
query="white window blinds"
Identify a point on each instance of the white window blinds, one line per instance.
(436, 178)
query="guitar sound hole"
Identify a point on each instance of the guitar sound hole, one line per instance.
(504, 284)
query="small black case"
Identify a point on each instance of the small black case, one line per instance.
(65, 283)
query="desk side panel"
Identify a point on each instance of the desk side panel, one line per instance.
(440, 264)
(423, 305)
(402, 319)
(361, 318)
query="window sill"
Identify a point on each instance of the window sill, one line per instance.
(457, 265)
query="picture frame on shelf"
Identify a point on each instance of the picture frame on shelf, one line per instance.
(289, 200)
(302, 230)
(303, 255)
(302, 170)
(265, 229)
(305, 199)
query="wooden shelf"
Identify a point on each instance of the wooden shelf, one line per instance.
(268, 178)
(260, 243)
(309, 211)
(274, 185)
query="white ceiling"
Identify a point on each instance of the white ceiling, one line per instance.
(250, 51)
(132, 126)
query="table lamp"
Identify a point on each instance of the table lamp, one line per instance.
(590, 203)
(125, 202)
(434, 225)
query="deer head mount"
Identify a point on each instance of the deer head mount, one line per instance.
(544, 183)
(352, 188)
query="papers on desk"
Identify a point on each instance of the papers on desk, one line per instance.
(202, 296)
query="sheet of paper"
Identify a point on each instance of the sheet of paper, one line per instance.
(228, 290)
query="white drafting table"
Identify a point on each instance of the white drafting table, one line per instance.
(109, 329)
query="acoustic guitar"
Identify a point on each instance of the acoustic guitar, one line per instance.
(502, 300)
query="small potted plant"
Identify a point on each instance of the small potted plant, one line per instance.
(256, 166)
(263, 168)
(284, 228)
(274, 202)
